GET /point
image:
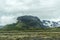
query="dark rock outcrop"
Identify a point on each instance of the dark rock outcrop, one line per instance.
(31, 21)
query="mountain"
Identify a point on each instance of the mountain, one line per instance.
(25, 22)
(31, 21)
(51, 23)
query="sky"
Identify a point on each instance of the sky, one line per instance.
(44, 9)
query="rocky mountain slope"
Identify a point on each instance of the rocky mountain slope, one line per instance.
(51, 23)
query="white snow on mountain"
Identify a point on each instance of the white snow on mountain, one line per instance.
(50, 23)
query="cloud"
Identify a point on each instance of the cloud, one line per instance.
(7, 20)
(44, 9)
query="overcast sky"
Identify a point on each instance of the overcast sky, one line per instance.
(44, 9)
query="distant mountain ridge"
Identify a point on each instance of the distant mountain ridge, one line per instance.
(51, 23)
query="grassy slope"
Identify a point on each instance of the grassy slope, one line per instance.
(31, 34)
(15, 35)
